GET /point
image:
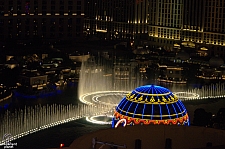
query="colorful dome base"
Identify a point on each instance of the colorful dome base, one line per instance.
(135, 121)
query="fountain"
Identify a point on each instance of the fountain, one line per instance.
(33, 119)
(108, 84)
(101, 87)
(107, 77)
(93, 79)
(206, 92)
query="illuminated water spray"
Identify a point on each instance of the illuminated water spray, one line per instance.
(32, 119)
(97, 78)
(101, 87)
(107, 85)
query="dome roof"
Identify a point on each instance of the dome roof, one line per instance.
(152, 104)
(216, 61)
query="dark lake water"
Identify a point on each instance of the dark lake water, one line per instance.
(51, 138)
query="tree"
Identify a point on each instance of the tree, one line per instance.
(201, 117)
(221, 116)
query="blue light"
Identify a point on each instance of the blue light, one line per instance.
(124, 105)
(135, 110)
(129, 108)
(152, 112)
(175, 110)
(42, 95)
(182, 105)
(179, 109)
(154, 89)
(158, 91)
(147, 109)
(143, 111)
(168, 111)
(113, 123)
(122, 101)
(160, 112)
(6, 106)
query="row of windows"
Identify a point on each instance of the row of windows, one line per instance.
(43, 13)
(67, 21)
(215, 15)
(189, 36)
(46, 29)
(161, 40)
(43, 2)
(169, 6)
(216, 3)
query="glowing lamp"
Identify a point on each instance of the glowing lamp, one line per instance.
(61, 145)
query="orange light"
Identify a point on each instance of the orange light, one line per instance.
(137, 121)
(61, 145)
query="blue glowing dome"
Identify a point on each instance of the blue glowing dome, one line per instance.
(152, 104)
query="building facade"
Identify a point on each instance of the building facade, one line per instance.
(44, 19)
(203, 25)
(165, 22)
(195, 24)
(118, 19)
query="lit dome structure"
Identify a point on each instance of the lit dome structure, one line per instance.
(150, 104)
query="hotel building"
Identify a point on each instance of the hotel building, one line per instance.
(204, 25)
(162, 23)
(165, 22)
(44, 19)
(117, 19)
